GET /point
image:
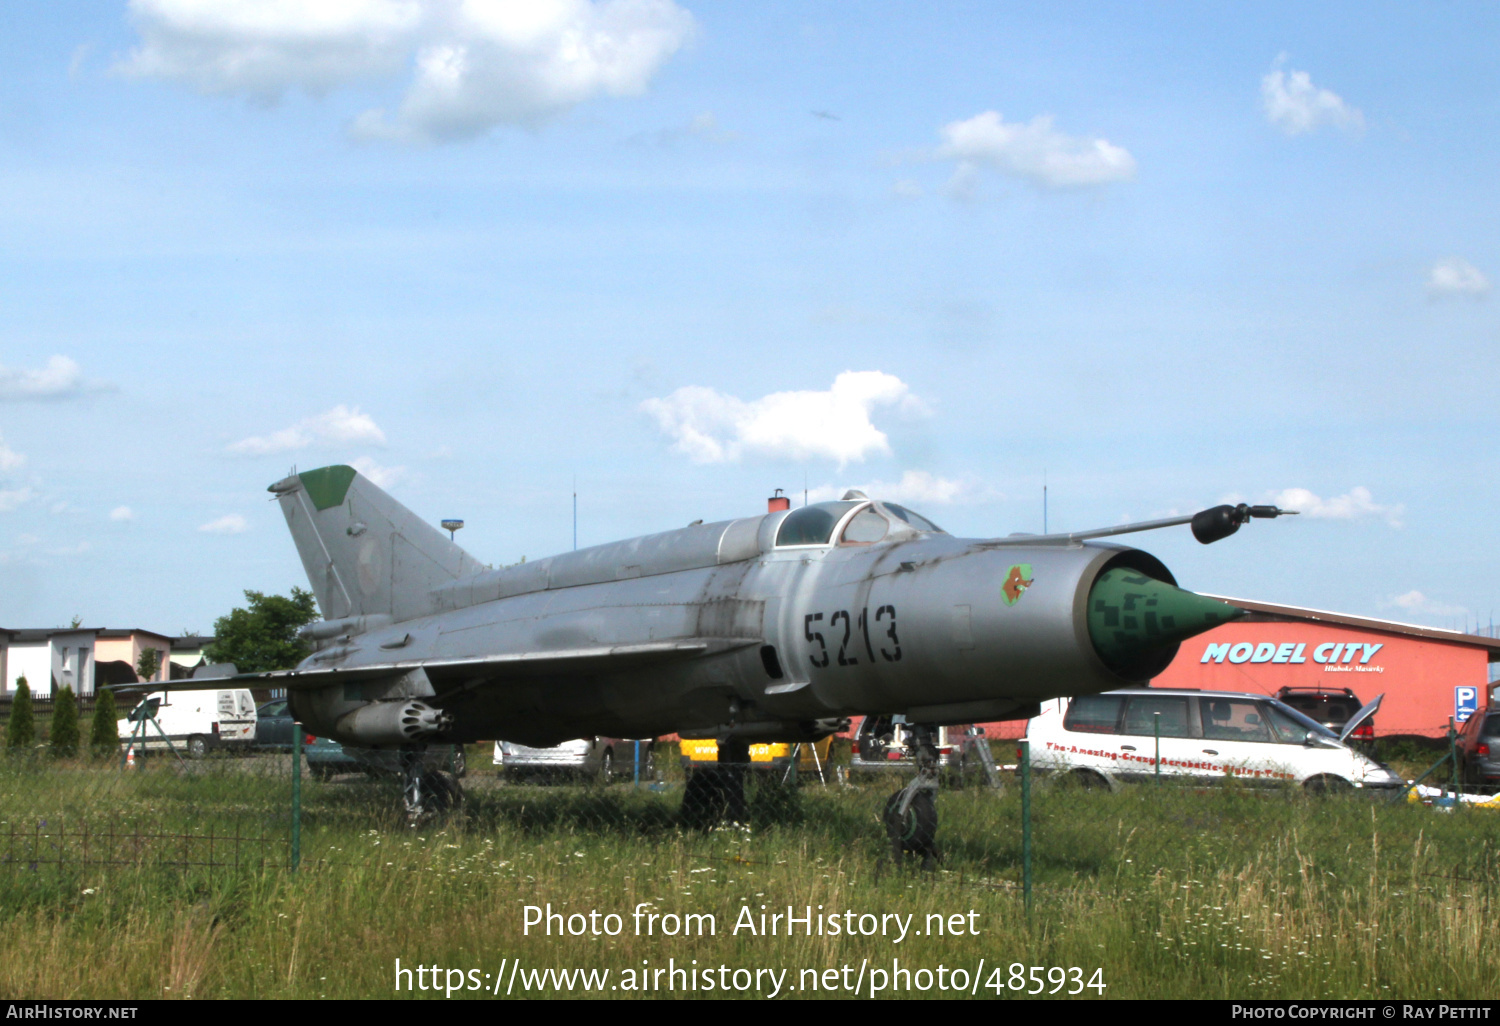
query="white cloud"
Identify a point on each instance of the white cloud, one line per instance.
(1457, 277)
(61, 378)
(380, 476)
(265, 48)
(1294, 105)
(338, 426)
(9, 458)
(10, 498)
(1416, 602)
(915, 486)
(1356, 504)
(231, 523)
(71, 550)
(122, 513)
(907, 188)
(1033, 150)
(711, 427)
(475, 63)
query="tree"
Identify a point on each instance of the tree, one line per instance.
(20, 731)
(64, 735)
(104, 731)
(264, 636)
(147, 665)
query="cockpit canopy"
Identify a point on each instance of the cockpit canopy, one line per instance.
(862, 522)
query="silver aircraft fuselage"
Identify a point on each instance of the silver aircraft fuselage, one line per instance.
(746, 628)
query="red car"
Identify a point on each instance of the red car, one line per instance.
(1332, 707)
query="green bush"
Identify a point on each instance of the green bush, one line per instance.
(20, 730)
(104, 736)
(64, 734)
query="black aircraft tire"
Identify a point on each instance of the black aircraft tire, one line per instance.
(444, 793)
(915, 833)
(703, 799)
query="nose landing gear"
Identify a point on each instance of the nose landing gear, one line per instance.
(910, 818)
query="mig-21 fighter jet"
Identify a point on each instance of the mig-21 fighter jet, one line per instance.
(774, 627)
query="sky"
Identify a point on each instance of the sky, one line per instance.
(678, 254)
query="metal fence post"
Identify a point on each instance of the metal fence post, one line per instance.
(1156, 728)
(296, 795)
(637, 782)
(1453, 753)
(1025, 759)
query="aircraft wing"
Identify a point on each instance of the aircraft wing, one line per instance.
(487, 668)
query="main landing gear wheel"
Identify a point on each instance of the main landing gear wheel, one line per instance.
(717, 793)
(426, 793)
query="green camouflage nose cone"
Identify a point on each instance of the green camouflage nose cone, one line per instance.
(1136, 622)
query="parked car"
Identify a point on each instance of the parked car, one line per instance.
(195, 722)
(601, 759)
(1479, 749)
(326, 758)
(1332, 707)
(1204, 735)
(883, 743)
(273, 727)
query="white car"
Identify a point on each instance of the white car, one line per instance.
(602, 759)
(194, 721)
(1204, 735)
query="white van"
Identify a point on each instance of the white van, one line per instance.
(194, 721)
(1204, 735)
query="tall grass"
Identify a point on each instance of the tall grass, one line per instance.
(1218, 892)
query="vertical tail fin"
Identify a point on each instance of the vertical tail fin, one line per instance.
(363, 551)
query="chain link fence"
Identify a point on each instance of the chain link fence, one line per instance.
(1280, 891)
(982, 809)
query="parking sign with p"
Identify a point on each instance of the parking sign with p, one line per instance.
(1465, 703)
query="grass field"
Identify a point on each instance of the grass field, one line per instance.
(1212, 893)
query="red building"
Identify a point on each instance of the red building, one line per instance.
(1427, 675)
(1419, 669)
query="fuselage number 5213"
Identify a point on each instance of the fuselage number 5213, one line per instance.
(885, 620)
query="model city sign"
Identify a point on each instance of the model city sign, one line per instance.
(1335, 656)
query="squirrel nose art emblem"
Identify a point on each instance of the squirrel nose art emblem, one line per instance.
(1017, 580)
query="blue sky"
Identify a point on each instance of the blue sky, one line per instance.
(687, 253)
